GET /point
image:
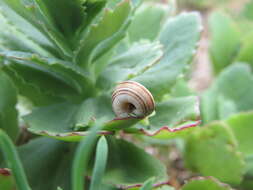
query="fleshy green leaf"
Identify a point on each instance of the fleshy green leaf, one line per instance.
(148, 185)
(175, 111)
(13, 161)
(23, 8)
(179, 37)
(93, 109)
(69, 122)
(181, 89)
(231, 93)
(128, 64)
(58, 118)
(15, 39)
(100, 164)
(174, 118)
(147, 21)
(92, 10)
(225, 40)
(245, 54)
(249, 165)
(212, 151)
(8, 112)
(128, 164)
(247, 181)
(22, 31)
(66, 16)
(208, 183)
(30, 12)
(53, 76)
(61, 121)
(6, 180)
(242, 126)
(103, 35)
(247, 184)
(36, 96)
(122, 167)
(208, 105)
(82, 157)
(166, 132)
(65, 117)
(52, 159)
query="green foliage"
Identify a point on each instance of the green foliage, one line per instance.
(178, 109)
(122, 167)
(245, 54)
(203, 147)
(13, 161)
(231, 93)
(8, 112)
(231, 38)
(53, 77)
(6, 180)
(131, 63)
(52, 158)
(80, 163)
(242, 126)
(148, 185)
(179, 47)
(104, 34)
(222, 147)
(205, 183)
(225, 40)
(181, 88)
(247, 12)
(100, 164)
(65, 58)
(64, 17)
(153, 15)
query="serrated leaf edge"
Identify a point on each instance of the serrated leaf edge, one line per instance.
(212, 179)
(169, 129)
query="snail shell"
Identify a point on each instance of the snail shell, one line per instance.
(131, 99)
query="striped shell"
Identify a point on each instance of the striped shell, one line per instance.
(131, 99)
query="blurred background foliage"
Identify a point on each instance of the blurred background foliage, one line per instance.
(222, 76)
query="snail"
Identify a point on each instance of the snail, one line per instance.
(131, 99)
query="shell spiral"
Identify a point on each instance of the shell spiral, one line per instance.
(131, 99)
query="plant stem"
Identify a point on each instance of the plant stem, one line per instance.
(100, 164)
(13, 161)
(82, 157)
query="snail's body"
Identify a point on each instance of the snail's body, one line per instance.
(131, 99)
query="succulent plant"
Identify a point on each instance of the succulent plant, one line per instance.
(64, 58)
